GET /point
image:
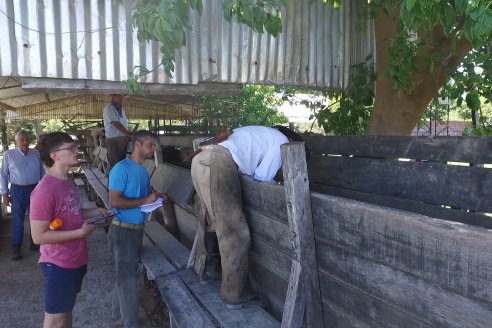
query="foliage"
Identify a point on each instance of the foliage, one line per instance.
(255, 106)
(415, 51)
(418, 20)
(473, 80)
(343, 112)
(15, 126)
(52, 125)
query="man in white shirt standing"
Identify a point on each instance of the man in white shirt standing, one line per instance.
(116, 130)
(21, 167)
(250, 150)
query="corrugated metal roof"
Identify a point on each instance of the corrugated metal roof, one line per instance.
(93, 39)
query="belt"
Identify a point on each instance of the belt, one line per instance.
(21, 186)
(128, 226)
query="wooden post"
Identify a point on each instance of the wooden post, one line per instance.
(158, 154)
(303, 295)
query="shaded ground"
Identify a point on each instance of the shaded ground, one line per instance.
(22, 294)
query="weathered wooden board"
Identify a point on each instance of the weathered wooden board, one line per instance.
(295, 303)
(416, 299)
(89, 174)
(174, 251)
(269, 230)
(187, 224)
(345, 306)
(263, 197)
(455, 149)
(304, 267)
(337, 316)
(475, 219)
(154, 261)
(272, 258)
(149, 165)
(270, 285)
(460, 187)
(208, 295)
(186, 311)
(175, 181)
(101, 190)
(446, 253)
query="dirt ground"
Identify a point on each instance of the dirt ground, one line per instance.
(22, 294)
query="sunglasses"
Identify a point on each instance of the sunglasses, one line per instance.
(72, 148)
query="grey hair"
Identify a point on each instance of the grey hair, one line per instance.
(22, 133)
(143, 135)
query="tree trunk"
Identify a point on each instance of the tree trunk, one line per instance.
(396, 112)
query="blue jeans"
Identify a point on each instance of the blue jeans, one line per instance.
(20, 198)
(125, 245)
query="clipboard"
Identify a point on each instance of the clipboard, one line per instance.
(100, 220)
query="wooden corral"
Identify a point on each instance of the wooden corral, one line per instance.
(405, 264)
(358, 238)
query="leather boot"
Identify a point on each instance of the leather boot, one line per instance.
(16, 253)
(212, 262)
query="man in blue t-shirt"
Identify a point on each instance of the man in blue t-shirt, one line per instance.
(129, 188)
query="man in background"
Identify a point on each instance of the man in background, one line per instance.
(116, 130)
(22, 168)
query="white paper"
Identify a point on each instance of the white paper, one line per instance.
(147, 208)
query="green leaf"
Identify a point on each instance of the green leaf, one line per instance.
(410, 4)
(460, 6)
(473, 100)
(199, 7)
(227, 9)
(182, 10)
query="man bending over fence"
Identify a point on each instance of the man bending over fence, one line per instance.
(253, 151)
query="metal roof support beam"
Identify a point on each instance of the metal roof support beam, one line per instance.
(109, 87)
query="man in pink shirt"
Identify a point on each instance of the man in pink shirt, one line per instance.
(64, 254)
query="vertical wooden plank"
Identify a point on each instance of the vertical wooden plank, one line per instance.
(158, 155)
(299, 214)
(295, 300)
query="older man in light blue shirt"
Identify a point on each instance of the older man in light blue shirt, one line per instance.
(116, 130)
(21, 167)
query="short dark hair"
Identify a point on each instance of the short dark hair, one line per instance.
(294, 136)
(142, 135)
(290, 134)
(49, 143)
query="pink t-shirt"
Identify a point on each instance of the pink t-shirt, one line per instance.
(55, 198)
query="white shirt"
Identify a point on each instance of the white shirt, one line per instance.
(256, 151)
(110, 114)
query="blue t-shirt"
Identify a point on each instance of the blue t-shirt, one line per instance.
(133, 181)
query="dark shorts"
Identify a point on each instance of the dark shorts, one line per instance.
(61, 287)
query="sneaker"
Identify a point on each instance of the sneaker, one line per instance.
(116, 323)
(206, 279)
(16, 253)
(253, 300)
(16, 257)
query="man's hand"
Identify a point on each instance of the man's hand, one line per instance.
(6, 199)
(87, 229)
(152, 197)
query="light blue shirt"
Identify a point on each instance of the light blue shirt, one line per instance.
(21, 169)
(110, 114)
(133, 181)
